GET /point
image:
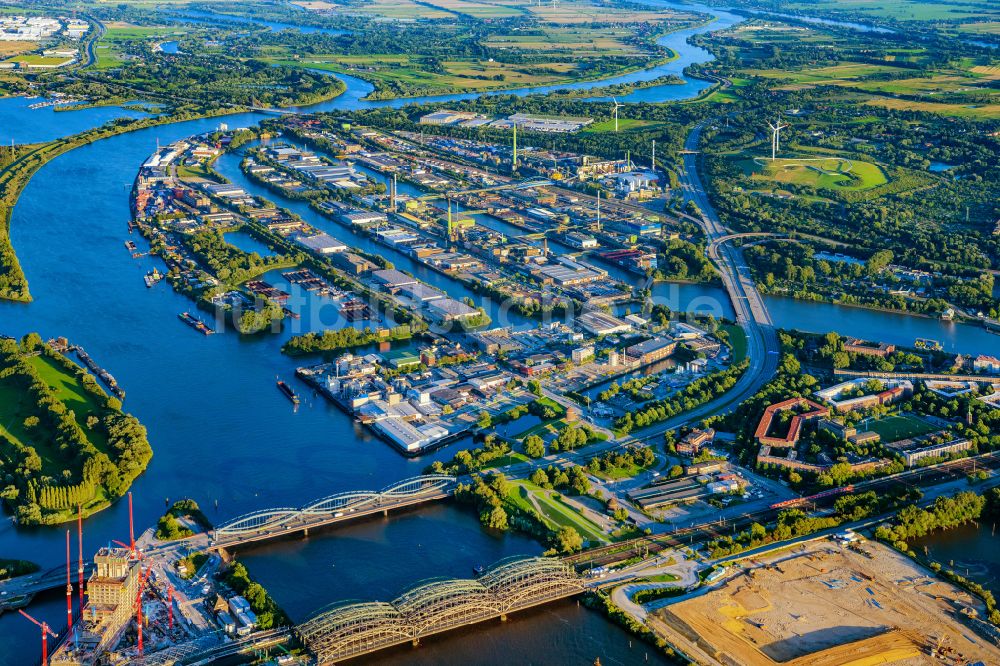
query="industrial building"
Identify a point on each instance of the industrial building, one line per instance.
(598, 323)
(650, 351)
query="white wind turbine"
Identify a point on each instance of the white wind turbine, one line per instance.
(617, 106)
(776, 128)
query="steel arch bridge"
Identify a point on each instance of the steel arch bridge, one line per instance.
(267, 523)
(350, 629)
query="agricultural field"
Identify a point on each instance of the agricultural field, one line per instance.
(400, 10)
(13, 48)
(988, 111)
(895, 428)
(582, 42)
(567, 13)
(900, 10)
(911, 78)
(478, 10)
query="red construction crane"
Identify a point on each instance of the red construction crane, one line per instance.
(131, 529)
(69, 588)
(138, 610)
(170, 607)
(46, 632)
(79, 539)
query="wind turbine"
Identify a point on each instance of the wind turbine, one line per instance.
(617, 106)
(776, 128)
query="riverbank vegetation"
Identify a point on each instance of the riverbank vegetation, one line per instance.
(15, 568)
(332, 340)
(177, 522)
(946, 513)
(269, 614)
(792, 523)
(63, 441)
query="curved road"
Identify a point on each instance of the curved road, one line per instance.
(763, 348)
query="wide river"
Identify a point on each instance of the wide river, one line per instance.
(223, 435)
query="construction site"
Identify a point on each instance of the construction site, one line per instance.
(829, 603)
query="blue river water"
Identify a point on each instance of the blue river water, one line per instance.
(225, 436)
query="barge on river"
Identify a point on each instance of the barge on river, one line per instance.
(195, 323)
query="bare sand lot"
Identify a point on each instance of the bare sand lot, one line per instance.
(824, 605)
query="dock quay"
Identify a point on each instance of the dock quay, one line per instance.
(403, 436)
(100, 372)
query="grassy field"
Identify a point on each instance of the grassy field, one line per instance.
(624, 124)
(107, 57)
(34, 60)
(895, 428)
(15, 406)
(989, 111)
(832, 173)
(125, 32)
(738, 338)
(554, 511)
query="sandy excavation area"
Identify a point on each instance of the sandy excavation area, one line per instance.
(823, 604)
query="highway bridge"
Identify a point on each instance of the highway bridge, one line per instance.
(18, 592)
(269, 524)
(351, 629)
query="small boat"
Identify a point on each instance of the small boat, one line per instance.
(132, 247)
(289, 393)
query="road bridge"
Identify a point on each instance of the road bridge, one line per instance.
(269, 524)
(18, 592)
(351, 629)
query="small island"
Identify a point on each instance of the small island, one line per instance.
(64, 442)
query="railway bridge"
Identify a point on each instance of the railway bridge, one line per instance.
(269, 524)
(351, 629)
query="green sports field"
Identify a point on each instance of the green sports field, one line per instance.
(896, 428)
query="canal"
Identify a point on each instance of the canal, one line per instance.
(225, 436)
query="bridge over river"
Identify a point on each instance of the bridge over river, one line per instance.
(350, 629)
(269, 524)
(18, 592)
